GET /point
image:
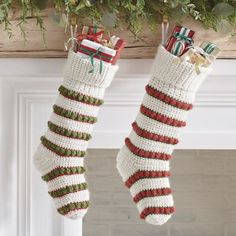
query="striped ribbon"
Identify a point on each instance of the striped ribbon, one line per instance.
(209, 48)
(182, 37)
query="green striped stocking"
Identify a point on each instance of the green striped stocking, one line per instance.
(60, 155)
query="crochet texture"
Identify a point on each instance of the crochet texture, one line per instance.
(143, 162)
(60, 155)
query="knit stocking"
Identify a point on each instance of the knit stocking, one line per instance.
(60, 155)
(143, 162)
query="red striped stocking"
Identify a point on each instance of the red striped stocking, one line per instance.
(143, 162)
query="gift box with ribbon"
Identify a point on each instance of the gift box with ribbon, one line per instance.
(210, 48)
(96, 51)
(180, 40)
(92, 33)
(118, 44)
(196, 56)
(202, 56)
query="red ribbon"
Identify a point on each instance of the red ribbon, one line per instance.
(91, 35)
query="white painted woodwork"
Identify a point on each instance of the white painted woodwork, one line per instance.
(28, 88)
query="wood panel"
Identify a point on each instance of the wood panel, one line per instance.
(142, 48)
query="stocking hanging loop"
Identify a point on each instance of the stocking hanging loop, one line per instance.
(164, 29)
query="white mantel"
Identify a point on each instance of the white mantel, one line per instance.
(28, 88)
(211, 125)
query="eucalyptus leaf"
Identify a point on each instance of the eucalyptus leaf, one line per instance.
(87, 3)
(174, 4)
(225, 27)
(80, 6)
(109, 19)
(41, 4)
(55, 17)
(223, 9)
(134, 12)
(59, 19)
(178, 14)
(64, 20)
(1, 15)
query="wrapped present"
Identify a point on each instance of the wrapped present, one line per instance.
(195, 55)
(94, 50)
(207, 50)
(118, 44)
(98, 51)
(198, 57)
(92, 33)
(180, 40)
(210, 48)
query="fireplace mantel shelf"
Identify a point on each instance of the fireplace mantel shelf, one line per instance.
(211, 125)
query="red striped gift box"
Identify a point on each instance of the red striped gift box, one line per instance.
(180, 40)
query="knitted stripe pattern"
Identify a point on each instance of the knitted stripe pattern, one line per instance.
(60, 155)
(143, 161)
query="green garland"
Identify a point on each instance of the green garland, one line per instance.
(216, 14)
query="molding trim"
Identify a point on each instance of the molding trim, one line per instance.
(39, 78)
(25, 103)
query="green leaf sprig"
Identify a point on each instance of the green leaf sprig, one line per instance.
(219, 15)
